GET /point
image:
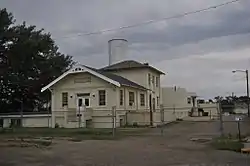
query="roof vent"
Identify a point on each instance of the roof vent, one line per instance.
(145, 64)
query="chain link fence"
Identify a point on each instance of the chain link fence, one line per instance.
(155, 120)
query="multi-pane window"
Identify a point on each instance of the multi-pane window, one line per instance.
(149, 79)
(121, 97)
(87, 102)
(65, 99)
(153, 80)
(102, 97)
(131, 97)
(189, 100)
(157, 81)
(142, 99)
(157, 101)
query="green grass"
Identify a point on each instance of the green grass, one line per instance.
(226, 143)
(74, 134)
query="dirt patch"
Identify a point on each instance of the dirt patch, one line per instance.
(173, 147)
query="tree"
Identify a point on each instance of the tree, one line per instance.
(218, 98)
(29, 60)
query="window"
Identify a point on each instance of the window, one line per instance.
(87, 102)
(157, 100)
(142, 99)
(80, 102)
(102, 97)
(1, 122)
(153, 80)
(16, 122)
(121, 97)
(157, 81)
(65, 99)
(149, 79)
(189, 100)
(131, 98)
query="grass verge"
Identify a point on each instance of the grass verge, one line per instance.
(226, 143)
(72, 134)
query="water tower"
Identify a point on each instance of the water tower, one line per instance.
(117, 50)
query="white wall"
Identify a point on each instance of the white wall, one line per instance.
(140, 76)
(96, 84)
(59, 113)
(240, 110)
(37, 122)
(177, 98)
(30, 121)
(211, 108)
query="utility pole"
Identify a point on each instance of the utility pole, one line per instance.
(248, 109)
(247, 84)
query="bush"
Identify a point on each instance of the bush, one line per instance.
(135, 124)
(224, 143)
(205, 114)
(57, 125)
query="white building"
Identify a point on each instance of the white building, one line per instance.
(85, 97)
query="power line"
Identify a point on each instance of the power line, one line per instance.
(152, 21)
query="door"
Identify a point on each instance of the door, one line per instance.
(81, 105)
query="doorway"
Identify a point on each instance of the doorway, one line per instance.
(82, 102)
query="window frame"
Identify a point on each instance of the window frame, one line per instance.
(149, 79)
(153, 80)
(142, 102)
(65, 99)
(157, 81)
(121, 95)
(103, 102)
(131, 101)
(88, 99)
(157, 100)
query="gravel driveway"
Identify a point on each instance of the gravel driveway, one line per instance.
(174, 148)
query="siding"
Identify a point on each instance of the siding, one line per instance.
(140, 76)
(96, 84)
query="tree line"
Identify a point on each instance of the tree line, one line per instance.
(29, 60)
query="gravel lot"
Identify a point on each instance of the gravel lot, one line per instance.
(174, 148)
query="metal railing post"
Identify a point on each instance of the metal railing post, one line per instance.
(221, 120)
(162, 118)
(113, 120)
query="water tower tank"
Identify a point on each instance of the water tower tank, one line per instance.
(117, 50)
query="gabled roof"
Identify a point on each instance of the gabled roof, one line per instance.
(123, 81)
(129, 64)
(112, 78)
(81, 69)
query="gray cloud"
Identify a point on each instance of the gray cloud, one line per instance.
(173, 43)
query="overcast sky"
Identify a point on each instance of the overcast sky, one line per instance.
(197, 52)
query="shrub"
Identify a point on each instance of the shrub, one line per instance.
(57, 125)
(135, 124)
(224, 143)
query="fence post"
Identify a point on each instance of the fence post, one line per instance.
(47, 105)
(162, 117)
(113, 120)
(210, 114)
(21, 113)
(79, 117)
(221, 120)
